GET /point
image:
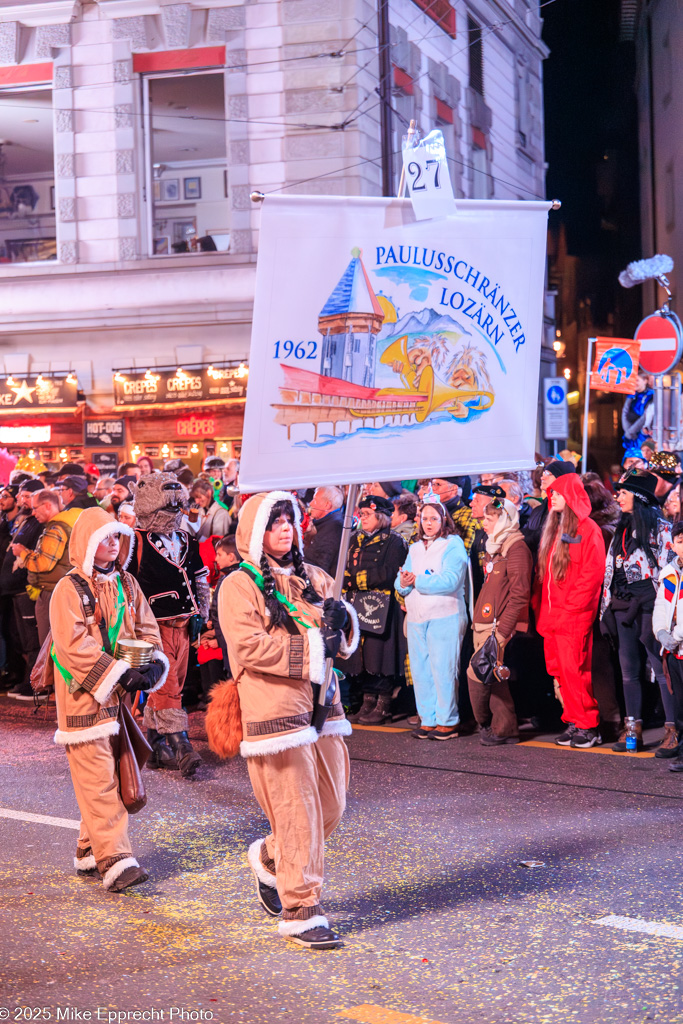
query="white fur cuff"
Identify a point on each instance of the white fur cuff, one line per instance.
(297, 927)
(160, 656)
(349, 646)
(257, 865)
(109, 680)
(316, 655)
(337, 727)
(94, 732)
(276, 744)
(117, 869)
(85, 863)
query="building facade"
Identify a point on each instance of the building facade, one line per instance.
(132, 135)
(657, 29)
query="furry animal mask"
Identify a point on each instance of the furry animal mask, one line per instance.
(160, 502)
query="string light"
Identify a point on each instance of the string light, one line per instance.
(135, 451)
(194, 449)
(31, 453)
(72, 379)
(224, 447)
(119, 377)
(63, 455)
(10, 382)
(165, 450)
(154, 377)
(242, 370)
(567, 373)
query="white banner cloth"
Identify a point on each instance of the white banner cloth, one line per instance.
(389, 349)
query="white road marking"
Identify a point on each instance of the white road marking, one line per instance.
(39, 819)
(637, 924)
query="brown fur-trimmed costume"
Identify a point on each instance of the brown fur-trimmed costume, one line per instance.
(299, 777)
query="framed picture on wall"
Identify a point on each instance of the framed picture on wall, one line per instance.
(192, 188)
(162, 245)
(156, 191)
(170, 190)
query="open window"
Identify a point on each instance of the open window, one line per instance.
(187, 177)
(28, 231)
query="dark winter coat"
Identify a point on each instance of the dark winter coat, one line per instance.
(322, 548)
(26, 533)
(373, 564)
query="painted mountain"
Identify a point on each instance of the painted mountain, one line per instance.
(424, 322)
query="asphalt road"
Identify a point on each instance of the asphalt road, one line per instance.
(441, 921)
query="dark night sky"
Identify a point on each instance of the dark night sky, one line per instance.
(590, 114)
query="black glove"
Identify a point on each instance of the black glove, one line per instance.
(153, 672)
(334, 613)
(132, 680)
(333, 639)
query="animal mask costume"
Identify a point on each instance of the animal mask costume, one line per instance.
(160, 502)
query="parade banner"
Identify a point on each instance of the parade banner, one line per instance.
(616, 365)
(384, 348)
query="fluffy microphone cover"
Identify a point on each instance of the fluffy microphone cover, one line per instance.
(645, 270)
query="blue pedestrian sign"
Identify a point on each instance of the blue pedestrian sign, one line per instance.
(555, 409)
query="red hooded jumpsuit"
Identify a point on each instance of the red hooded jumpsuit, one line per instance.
(568, 609)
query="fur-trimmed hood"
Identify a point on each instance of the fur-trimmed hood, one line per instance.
(253, 521)
(89, 530)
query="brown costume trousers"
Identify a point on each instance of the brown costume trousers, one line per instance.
(104, 819)
(492, 705)
(164, 708)
(302, 791)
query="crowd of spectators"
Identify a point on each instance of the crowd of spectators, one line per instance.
(502, 604)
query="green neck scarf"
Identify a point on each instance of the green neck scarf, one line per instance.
(291, 608)
(113, 630)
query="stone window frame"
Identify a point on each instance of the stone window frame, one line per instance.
(147, 180)
(22, 85)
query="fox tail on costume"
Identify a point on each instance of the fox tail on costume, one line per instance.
(224, 720)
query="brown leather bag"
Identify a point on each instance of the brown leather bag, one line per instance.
(132, 752)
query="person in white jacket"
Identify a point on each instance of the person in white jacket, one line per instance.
(432, 581)
(667, 626)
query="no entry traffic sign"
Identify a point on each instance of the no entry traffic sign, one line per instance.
(660, 342)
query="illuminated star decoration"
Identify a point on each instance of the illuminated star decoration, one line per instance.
(22, 391)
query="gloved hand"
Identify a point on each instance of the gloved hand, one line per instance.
(334, 613)
(333, 639)
(666, 640)
(153, 672)
(132, 680)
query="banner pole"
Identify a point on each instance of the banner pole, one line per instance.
(339, 576)
(586, 404)
(402, 183)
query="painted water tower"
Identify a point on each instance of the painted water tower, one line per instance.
(349, 323)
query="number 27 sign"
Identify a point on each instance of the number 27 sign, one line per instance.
(428, 178)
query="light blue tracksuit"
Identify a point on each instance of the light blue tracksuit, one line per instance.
(437, 619)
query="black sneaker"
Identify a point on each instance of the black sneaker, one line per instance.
(422, 733)
(585, 738)
(267, 895)
(488, 738)
(565, 738)
(317, 938)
